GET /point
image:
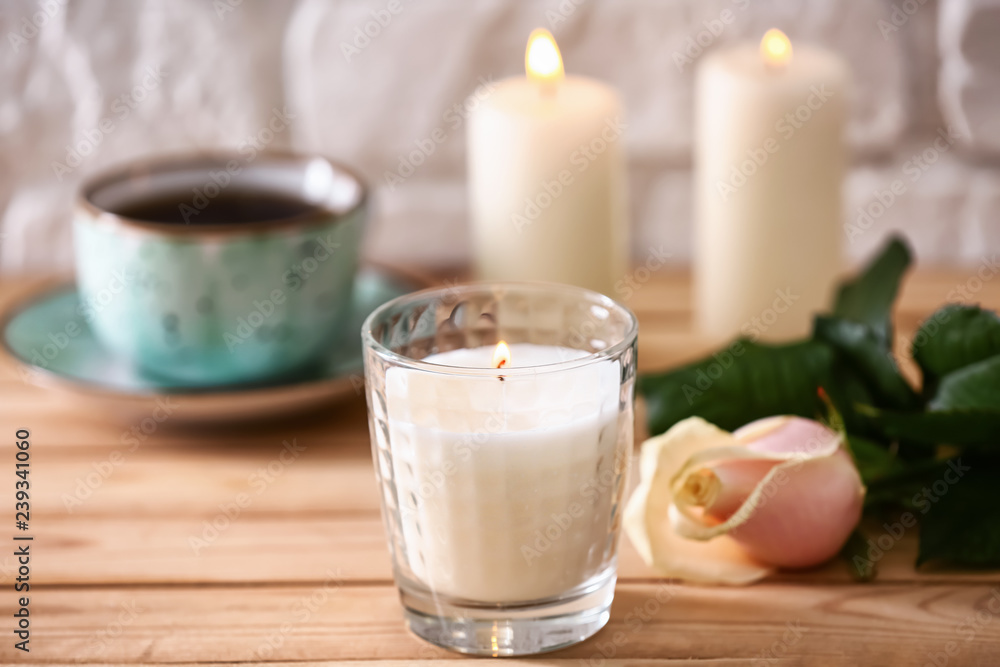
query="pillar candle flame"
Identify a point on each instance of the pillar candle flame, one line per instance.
(775, 48)
(542, 60)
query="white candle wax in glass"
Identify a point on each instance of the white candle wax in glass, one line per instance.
(506, 475)
(502, 467)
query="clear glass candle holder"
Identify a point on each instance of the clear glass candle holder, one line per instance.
(501, 467)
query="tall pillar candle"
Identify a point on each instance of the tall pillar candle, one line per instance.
(769, 161)
(547, 177)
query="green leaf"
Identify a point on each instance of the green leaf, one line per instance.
(975, 387)
(971, 428)
(899, 487)
(869, 297)
(744, 382)
(964, 411)
(873, 460)
(855, 555)
(961, 525)
(954, 337)
(870, 357)
(847, 389)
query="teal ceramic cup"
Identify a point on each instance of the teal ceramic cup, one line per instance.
(218, 269)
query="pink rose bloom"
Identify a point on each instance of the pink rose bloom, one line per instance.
(721, 507)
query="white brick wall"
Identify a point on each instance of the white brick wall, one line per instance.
(970, 71)
(77, 77)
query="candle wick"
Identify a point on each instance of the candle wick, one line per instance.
(547, 89)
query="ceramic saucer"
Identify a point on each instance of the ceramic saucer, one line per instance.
(53, 348)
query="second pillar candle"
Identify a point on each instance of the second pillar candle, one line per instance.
(769, 160)
(547, 177)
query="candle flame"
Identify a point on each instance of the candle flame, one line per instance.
(775, 47)
(542, 60)
(501, 355)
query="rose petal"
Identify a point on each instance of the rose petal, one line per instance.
(651, 515)
(807, 516)
(786, 456)
(803, 509)
(787, 434)
(736, 481)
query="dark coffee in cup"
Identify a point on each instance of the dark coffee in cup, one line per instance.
(231, 206)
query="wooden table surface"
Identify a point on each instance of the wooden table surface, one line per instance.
(142, 555)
